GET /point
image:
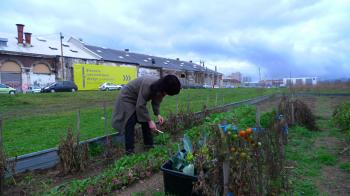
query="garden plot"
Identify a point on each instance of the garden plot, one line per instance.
(132, 169)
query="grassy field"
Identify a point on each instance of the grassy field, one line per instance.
(38, 121)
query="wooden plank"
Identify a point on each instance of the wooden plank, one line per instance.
(2, 168)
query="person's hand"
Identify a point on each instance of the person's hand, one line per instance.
(160, 119)
(152, 125)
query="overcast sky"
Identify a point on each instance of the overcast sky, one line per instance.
(301, 37)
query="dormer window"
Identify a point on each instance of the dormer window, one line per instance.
(53, 48)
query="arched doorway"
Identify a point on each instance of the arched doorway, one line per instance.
(41, 75)
(10, 74)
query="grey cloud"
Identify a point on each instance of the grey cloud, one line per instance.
(303, 37)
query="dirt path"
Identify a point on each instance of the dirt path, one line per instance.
(145, 187)
(330, 178)
(334, 181)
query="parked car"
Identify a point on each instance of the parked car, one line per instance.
(107, 86)
(7, 89)
(60, 86)
(207, 86)
(34, 89)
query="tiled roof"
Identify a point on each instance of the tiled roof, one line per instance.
(43, 46)
(145, 60)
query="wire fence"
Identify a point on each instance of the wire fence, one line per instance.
(24, 130)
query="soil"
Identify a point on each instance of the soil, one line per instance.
(335, 181)
(146, 186)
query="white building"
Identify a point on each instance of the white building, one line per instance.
(300, 81)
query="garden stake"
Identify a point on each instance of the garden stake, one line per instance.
(260, 172)
(226, 174)
(293, 119)
(216, 99)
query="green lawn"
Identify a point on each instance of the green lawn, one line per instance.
(37, 122)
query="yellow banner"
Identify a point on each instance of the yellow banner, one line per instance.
(90, 77)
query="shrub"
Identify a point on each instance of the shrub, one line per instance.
(296, 112)
(341, 116)
(73, 155)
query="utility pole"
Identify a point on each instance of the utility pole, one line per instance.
(259, 75)
(62, 63)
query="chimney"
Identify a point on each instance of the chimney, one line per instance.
(20, 33)
(126, 50)
(153, 61)
(177, 59)
(28, 37)
(190, 61)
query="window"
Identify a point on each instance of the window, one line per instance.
(41, 68)
(10, 66)
(66, 83)
(41, 39)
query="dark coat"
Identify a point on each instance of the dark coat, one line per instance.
(133, 98)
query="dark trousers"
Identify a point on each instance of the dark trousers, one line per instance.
(130, 134)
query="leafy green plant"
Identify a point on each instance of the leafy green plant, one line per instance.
(162, 139)
(183, 160)
(95, 149)
(124, 171)
(345, 166)
(267, 118)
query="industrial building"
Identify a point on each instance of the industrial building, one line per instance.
(301, 81)
(27, 60)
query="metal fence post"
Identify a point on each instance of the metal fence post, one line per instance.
(207, 101)
(105, 116)
(216, 99)
(188, 103)
(223, 99)
(177, 104)
(78, 125)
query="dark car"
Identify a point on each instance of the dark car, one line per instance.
(60, 86)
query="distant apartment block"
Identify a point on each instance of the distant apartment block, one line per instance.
(300, 81)
(236, 76)
(247, 79)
